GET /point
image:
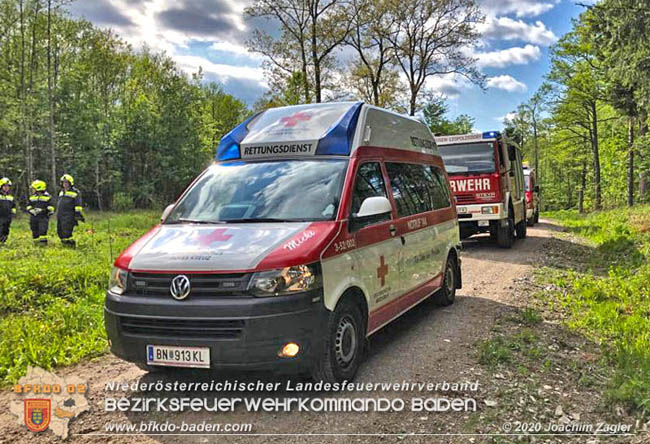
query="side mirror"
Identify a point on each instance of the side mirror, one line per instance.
(536, 189)
(512, 153)
(374, 206)
(166, 212)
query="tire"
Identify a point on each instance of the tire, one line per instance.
(506, 235)
(343, 345)
(522, 228)
(447, 294)
(531, 222)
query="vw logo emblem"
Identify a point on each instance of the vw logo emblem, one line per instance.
(180, 287)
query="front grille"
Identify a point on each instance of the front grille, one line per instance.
(183, 328)
(465, 199)
(206, 285)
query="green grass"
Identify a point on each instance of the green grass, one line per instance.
(51, 298)
(614, 308)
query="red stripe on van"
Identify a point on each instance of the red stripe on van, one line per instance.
(383, 315)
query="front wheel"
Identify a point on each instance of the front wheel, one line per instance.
(506, 235)
(343, 346)
(447, 294)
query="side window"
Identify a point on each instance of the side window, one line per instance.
(369, 182)
(438, 188)
(410, 190)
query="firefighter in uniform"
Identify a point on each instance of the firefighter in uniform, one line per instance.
(40, 209)
(7, 209)
(69, 210)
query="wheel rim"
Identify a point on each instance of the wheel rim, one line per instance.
(346, 341)
(449, 279)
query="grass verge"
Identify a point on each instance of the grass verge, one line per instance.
(51, 298)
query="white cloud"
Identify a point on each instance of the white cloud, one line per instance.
(520, 8)
(236, 49)
(507, 118)
(449, 85)
(506, 83)
(192, 63)
(505, 28)
(510, 56)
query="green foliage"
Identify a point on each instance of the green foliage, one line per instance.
(615, 309)
(435, 113)
(51, 309)
(115, 118)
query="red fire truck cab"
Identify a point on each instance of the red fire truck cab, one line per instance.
(487, 180)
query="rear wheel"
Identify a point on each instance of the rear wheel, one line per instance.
(447, 294)
(506, 234)
(343, 346)
(522, 229)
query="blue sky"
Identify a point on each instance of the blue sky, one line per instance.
(513, 52)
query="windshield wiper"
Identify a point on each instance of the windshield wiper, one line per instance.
(260, 219)
(194, 221)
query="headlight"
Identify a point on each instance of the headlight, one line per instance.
(117, 281)
(490, 210)
(286, 281)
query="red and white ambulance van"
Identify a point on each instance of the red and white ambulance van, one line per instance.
(486, 177)
(316, 226)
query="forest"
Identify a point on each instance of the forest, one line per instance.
(134, 129)
(586, 128)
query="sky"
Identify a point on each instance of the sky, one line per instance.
(513, 51)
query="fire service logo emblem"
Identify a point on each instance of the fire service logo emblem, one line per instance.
(37, 414)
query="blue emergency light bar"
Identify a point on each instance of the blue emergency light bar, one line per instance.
(229, 145)
(491, 134)
(338, 139)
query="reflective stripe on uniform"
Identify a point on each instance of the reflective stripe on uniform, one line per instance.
(13, 211)
(78, 209)
(50, 209)
(68, 193)
(6, 197)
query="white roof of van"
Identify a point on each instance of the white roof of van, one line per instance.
(337, 128)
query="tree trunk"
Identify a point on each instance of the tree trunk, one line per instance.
(596, 151)
(583, 187)
(535, 144)
(50, 95)
(643, 174)
(413, 101)
(630, 162)
(314, 55)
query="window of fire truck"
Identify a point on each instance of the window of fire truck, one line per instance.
(469, 158)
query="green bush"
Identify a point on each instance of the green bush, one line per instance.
(123, 201)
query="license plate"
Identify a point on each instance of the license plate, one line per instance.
(483, 223)
(461, 210)
(172, 356)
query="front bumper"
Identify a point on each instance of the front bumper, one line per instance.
(241, 332)
(467, 213)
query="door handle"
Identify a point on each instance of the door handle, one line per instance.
(392, 230)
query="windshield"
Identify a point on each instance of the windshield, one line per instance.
(469, 158)
(292, 190)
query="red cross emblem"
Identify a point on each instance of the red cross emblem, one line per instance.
(217, 235)
(382, 271)
(295, 119)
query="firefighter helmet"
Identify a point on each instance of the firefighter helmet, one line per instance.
(5, 181)
(39, 185)
(67, 177)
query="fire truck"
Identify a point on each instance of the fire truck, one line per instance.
(487, 180)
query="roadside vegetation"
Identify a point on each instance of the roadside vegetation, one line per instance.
(610, 302)
(51, 309)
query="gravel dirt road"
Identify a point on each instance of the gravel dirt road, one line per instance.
(427, 344)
